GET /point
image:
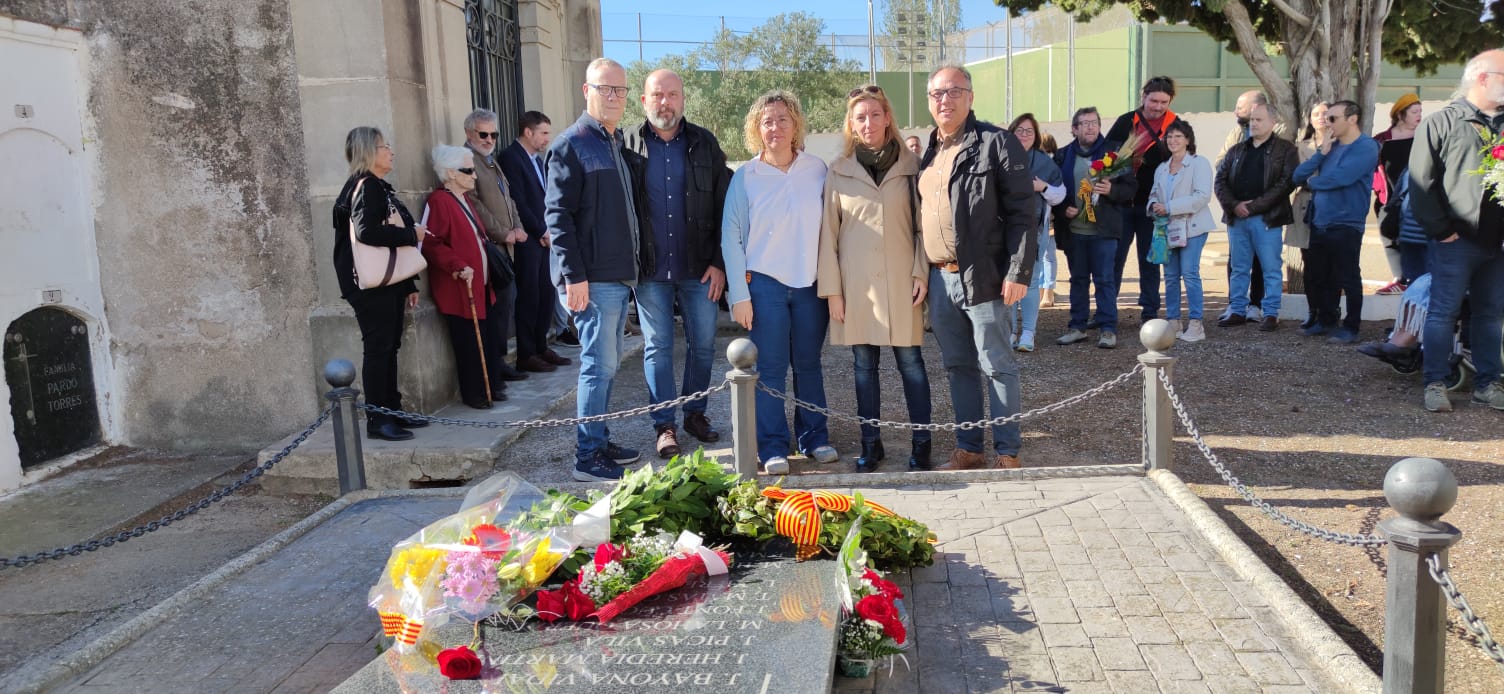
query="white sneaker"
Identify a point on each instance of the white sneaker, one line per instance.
(825, 455)
(777, 465)
(1254, 314)
(1194, 332)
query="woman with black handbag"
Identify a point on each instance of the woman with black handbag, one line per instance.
(368, 210)
(462, 279)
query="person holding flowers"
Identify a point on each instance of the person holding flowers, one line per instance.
(1145, 126)
(871, 271)
(1094, 227)
(1457, 195)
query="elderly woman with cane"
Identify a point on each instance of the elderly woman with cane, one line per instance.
(459, 277)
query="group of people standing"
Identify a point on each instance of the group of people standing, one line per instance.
(605, 215)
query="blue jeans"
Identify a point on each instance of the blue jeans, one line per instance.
(788, 327)
(655, 311)
(1412, 260)
(1184, 264)
(1461, 269)
(973, 341)
(1044, 278)
(1091, 264)
(1138, 225)
(601, 325)
(916, 387)
(1246, 238)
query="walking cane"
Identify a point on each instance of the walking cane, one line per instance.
(480, 345)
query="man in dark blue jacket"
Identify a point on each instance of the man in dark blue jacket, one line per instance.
(1340, 175)
(522, 163)
(593, 228)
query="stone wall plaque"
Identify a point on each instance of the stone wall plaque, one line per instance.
(768, 627)
(51, 377)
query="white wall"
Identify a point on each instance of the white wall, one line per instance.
(46, 210)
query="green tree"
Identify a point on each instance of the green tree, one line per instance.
(1334, 48)
(724, 76)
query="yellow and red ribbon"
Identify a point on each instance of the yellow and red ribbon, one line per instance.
(399, 627)
(798, 517)
(1085, 193)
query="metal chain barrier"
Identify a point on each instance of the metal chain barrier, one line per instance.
(545, 423)
(1470, 620)
(998, 421)
(164, 521)
(1248, 495)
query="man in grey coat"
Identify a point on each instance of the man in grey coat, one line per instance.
(1465, 221)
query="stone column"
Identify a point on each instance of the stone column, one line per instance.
(1415, 612)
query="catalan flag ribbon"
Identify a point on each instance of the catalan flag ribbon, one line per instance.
(399, 627)
(798, 517)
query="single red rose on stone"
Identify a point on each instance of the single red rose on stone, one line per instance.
(1497, 153)
(894, 629)
(459, 663)
(607, 553)
(877, 608)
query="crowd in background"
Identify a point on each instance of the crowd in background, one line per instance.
(958, 235)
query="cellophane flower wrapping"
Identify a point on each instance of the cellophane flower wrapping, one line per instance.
(874, 623)
(469, 565)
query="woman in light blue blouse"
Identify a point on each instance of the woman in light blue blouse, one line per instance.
(770, 237)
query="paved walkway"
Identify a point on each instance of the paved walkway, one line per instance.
(1092, 584)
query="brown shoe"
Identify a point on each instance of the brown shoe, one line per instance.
(1269, 324)
(698, 425)
(553, 357)
(1007, 462)
(668, 441)
(536, 364)
(964, 460)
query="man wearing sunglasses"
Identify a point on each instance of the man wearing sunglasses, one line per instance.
(498, 213)
(1465, 221)
(1340, 177)
(591, 211)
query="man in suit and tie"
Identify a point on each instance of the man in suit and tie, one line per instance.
(522, 163)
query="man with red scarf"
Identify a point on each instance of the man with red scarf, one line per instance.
(1148, 121)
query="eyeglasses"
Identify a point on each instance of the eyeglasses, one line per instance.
(953, 93)
(869, 89)
(608, 90)
(468, 171)
(486, 135)
(1023, 131)
(1088, 124)
(1334, 119)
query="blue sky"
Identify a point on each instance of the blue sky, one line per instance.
(676, 26)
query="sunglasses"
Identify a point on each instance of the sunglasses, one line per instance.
(486, 135)
(467, 171)
(869, 89)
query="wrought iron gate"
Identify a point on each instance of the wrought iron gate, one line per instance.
(495, 64)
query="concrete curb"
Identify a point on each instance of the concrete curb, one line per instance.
(935, 477)
(53, 673)
(1329, 650)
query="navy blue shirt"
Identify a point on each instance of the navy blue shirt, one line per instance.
(667, 178)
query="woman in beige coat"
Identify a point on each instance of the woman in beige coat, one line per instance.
(871, 268)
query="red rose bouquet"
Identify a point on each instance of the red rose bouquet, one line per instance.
(623, 575)
(1111, 164)
(874, 625)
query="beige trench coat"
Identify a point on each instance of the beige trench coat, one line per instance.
(870, 254)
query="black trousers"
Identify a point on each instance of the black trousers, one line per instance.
(462, 339)
(379, 313)
(536, 297)
(501, 323)
(1332, 270)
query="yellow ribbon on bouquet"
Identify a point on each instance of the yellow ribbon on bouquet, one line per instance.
(1085, 192)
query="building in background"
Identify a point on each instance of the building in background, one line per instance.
(167, 173)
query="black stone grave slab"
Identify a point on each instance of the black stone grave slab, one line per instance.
(768, 627)
(51, 379)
